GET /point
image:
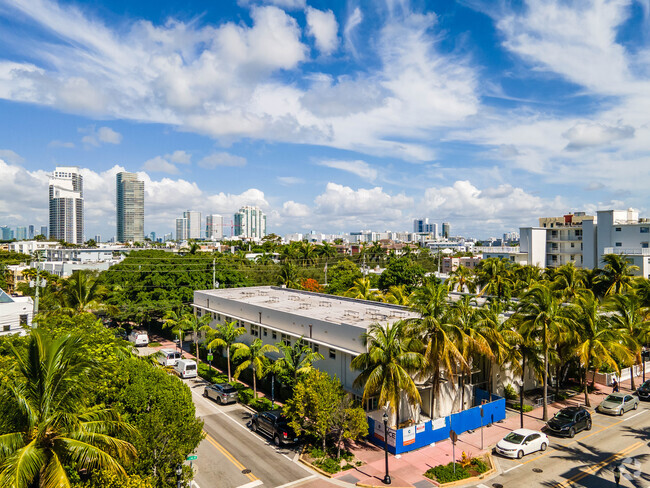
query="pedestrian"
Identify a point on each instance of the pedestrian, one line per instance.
(614, 385)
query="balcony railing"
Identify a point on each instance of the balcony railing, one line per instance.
(628, 251)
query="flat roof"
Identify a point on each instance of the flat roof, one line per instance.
(328, 308)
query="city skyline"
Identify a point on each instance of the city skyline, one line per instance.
(351, 115)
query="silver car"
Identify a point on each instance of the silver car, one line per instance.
(221, 393)
(618, 403)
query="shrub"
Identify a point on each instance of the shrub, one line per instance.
(445, 473)
(510, 392)
(527, 408)
(329, 465)
(155, 344)
(245, 395)
(317, 453)
(479, 465)
(261, 404)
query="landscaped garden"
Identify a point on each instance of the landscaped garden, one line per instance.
(467, 467)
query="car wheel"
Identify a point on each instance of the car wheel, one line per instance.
(588, 424)
(205, 393)
(520, 454)
(543, 446)
(572, 432)
(276, 440)
(219, 400)
(621, 411)
(254, 426)
(636, 405)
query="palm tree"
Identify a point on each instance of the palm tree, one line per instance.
(387, 367)
(495, 278)
(617, 273)
(289, 276)
(542, 318)
(568, 281)
(326, 250)
(174, 320)
(461, 279)
(195, 324)
(362, 290)
(307, 253)
(82, 292)
(52, 426)
(398, 295)
(598, 343)
(295, 360)
(225, 336)
(255, 356)
(631, 323)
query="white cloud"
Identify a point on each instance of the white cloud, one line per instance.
(11, 156)
(353, 21)
(179, 157)
(361, 205)
(323, 27)
(295, 210)
(285, 4)
(290, 180)
(221, 159)
(584, 135)
(56, 143)
(360, 168)
(159, 165)
(97, 137)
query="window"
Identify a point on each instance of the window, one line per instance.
(23, 320)
(219, 317)
(314, 347)
(6, 328)
(644, 230)
(619, 244)
(265, 332)
(332, 354)
(255, 330)
(286, 340)
(618, 229)
(274, 335)
(644, 245)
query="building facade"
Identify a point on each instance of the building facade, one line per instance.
(446, 230)
(181, 229)
(214, 227)
(66, 203)
(16, 314)
(130, 207)
(250, 223)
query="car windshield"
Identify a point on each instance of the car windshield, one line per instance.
(614, 399)
(229, 389)
(561, 415)
(514, 438)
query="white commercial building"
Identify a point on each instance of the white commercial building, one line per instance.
(331, 325)
(67, 205)
(214, 227)
(16, 314)
(250, 223)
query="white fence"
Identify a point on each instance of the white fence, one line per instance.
(626, 374)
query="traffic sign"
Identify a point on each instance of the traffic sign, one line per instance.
(453, 436)
(210, 357)
(192, 457)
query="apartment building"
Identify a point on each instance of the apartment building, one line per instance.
(130, 207)
(66, 205)
(451, 264)
(16, 314)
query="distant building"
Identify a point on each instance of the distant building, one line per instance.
(21, 233)
(422, 226)
(250, 222)
(30, 232)
(192, 225)
(181, 229)
(98, 238)
(44, 230)
(16, 314)
(214, 227)
(66, 205)
(130, 207)
(446, 230)
(152, 236)
(6, 233)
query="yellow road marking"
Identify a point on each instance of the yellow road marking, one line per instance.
(591, 469)
(229, 456)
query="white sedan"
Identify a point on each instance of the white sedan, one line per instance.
(521, 442)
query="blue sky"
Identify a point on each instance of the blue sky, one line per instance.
(332, 116)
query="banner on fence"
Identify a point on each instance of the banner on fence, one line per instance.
(408, 435)
(438, 423)
(419, 428)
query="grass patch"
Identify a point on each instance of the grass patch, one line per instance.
(527, 408)
(155, 344)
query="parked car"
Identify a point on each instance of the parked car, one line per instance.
(643, 391)
(168, 357)
(618, 403)
(221, 393)
(186, 368)
(275, 425)
(139, 338)
(521, 442)
(569, 421)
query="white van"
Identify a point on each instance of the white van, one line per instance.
(186, 368)
(168, 357)
(139, 338)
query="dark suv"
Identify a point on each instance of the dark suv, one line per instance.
(275, 425)
(569, 421)
(643, 391)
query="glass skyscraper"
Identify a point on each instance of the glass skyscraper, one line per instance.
(130, 207)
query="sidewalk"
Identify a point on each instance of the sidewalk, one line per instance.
(407, 470)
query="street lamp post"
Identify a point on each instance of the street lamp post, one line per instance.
(179, 472)
(521, 404)
(617, 475)
(385, 419)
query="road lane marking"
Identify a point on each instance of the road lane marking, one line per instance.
(229, 456)
(514, 467)
(251, 484)
(591, 469)
(291, 483)
(635, 415)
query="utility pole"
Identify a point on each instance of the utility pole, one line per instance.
(326, 285)
(214, 273)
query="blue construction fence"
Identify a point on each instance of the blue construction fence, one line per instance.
(426, 433)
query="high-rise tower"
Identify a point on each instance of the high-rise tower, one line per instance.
(250, 222)
(130, 207)
(67, 205)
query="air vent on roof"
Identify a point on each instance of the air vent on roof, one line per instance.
(294, 298)
(303, 306)
(263, 293)
(325, 303)
(351, 313)
(247, 294)
(273, 300)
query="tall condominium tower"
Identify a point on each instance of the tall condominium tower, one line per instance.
(67, 205)
(214, 227)
(193, 224)
(130, 207)
(181, 229)
(446, 230)
(250, 222)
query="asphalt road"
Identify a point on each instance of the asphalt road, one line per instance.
(232, 456)
(588, 459)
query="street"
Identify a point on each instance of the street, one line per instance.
(588, 459)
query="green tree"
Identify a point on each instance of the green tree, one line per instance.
(175, 321)
(225, 336)
(289, 276)
(350, 421)
(495, 278)
(387, 367)
(47, 423)
(341, 277)
(82, 292)
(462, 279)
(362, 290)
(616, 276)
(401, 271)
(253, 356)
(194, 323)
(398, 295)
(295, 360)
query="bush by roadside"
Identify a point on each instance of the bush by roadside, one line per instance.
(466, 468)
